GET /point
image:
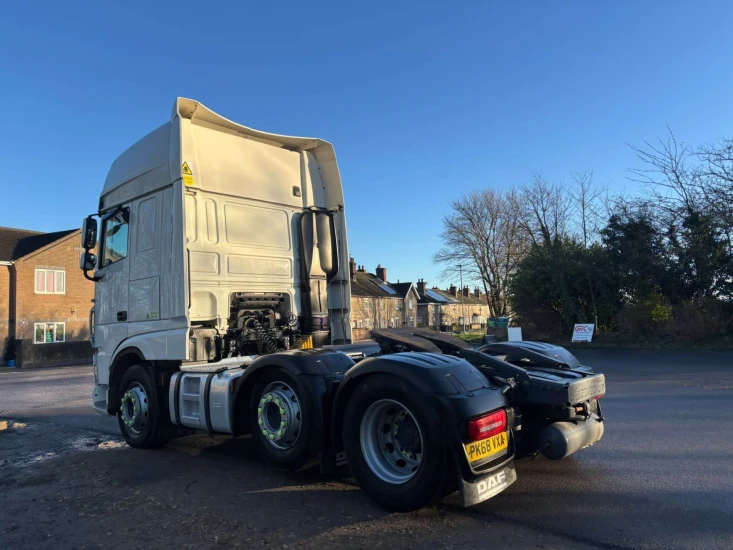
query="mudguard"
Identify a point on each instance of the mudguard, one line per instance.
(319, 370)
(455, 389)
(304, 361)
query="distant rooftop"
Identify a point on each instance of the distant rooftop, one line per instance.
(16, 243)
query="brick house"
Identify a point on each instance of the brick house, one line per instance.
(376, 303)
(44, 298)
(445, 309)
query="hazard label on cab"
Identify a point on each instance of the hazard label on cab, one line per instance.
(187, 174)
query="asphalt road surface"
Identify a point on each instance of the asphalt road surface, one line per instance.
(662, 477)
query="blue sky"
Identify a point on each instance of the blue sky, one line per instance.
(423, 100)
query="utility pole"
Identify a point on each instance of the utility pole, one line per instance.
(463, 313)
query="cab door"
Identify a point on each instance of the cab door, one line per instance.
(146, 261)
(112, 288)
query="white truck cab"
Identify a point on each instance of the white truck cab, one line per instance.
(216, 240)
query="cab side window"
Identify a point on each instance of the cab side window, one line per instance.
(114, 247)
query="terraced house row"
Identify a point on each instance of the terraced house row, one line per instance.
(378, 303)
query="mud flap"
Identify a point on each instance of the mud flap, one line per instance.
(487, 486)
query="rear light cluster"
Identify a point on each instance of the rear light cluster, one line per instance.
(487, 425)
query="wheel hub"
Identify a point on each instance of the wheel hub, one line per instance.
(406, 435)
(279, 415)
(391, 441)
(134, 408)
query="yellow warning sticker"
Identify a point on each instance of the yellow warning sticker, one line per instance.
(187, 174)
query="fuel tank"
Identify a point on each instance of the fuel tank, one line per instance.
(561, 439)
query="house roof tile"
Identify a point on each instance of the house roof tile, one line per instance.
(368, 285)
(446, 298)
(401, 288)
(16, 243)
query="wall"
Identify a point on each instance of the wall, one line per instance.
(71, 308)
(450, 314)
(29, 354)
(370, 313)
(4, 309)
(410, 314)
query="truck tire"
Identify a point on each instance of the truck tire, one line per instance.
(281, 419)
(395, 445)
(139, 415)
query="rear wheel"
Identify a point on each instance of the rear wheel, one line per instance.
(395, 444)
(139, 415)
(281, 418)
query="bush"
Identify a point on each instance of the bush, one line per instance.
(689, 322)
(695, 322)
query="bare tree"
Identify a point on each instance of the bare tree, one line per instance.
(590, 200)
(682, 180)
(670, 176)
(716, 177)
(544, 210)
(483, 234)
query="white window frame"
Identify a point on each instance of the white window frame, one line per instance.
(54, 323)
(45, 278)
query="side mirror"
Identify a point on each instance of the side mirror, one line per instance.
(89, 233)
(87, 261)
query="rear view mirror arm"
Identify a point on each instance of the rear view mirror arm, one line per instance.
(92, 278)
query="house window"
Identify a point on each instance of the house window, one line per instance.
(114, 246)
(48, 333)
(411, 304)
(50, 281)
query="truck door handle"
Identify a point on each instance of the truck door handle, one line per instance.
(122, 316)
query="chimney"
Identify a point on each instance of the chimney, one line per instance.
(361, 269)
(453, 291)
(465, 291)
(382, 273)
(352, 268)
(477, 293)
(421, 286)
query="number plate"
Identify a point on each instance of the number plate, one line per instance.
(478, 450)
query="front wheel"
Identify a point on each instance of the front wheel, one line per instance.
(139, 415)
(395, 444)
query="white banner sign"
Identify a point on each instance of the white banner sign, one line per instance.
(583, 333)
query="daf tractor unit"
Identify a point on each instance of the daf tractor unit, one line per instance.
(222, 304)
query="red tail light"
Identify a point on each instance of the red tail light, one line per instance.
(487, 425)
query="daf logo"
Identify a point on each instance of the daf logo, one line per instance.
(490, 483)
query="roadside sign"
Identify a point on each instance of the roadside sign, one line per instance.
(514, 334)
(583, 333)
